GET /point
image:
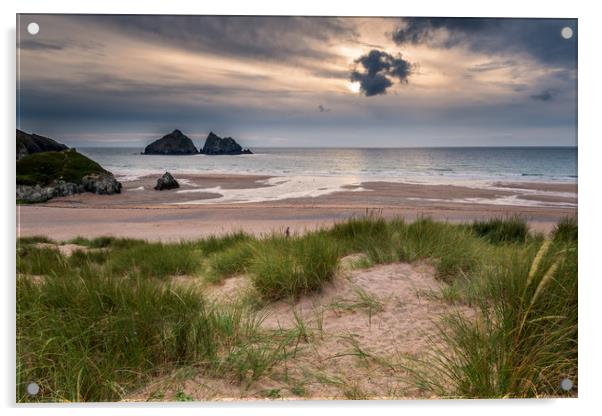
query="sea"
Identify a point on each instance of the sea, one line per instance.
(299, 172)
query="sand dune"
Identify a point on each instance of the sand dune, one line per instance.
(339, 324)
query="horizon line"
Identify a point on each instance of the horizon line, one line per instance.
(376, 147)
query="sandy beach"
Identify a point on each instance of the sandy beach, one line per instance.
(194, 210)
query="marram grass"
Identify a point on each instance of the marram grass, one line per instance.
(99, 324)
(523, 341)
(289, 267)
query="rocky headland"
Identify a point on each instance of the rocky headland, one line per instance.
(32, 143)
(44, 173)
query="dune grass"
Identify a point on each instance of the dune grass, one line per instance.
(502, 230)
(156, 260)
(40, 260)
(89, 340)
(105, 320)
(105, 242)
(96, 339)
(289, 267)
(230, 261)
(566, 230)
(214, 244)
(523, 342)
(453, 249)
(34, 240)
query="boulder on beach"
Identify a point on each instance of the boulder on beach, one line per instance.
(101, 183)
(63, 188)
(174, 143)
(35, 193)
(28, 144)
(167, 181)
(215, 145)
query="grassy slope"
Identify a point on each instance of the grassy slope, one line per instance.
(43, 168)
(523, 341)
(106, 313)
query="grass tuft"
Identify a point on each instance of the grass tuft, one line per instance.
(33, 260)
(106, 242)
(502, 230)
(214, 244)
(156, 260)
(230, 261)
(290, 267)
(566, 230)
(35, 239)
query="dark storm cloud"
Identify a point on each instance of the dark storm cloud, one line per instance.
(539, 38)
(370, 85)
(378, 70)
(420, 29)
(272, 38)
(104, 98)
(127, 99)
(543, 96)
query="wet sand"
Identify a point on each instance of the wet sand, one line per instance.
(540, 186)
(141, 212)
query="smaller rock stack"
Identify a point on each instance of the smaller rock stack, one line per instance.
(167, 181)
(215, 145)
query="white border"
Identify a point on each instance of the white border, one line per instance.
(590, 288)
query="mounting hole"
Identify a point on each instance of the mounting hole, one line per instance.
(33, 28)
(566, 32)
(33, 389)
(566, 384)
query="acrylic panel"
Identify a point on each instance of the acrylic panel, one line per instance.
(286, 207)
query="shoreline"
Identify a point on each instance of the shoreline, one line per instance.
(168, 215)
(237, 189)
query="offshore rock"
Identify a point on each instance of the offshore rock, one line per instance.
(174, 143)
(215, 145)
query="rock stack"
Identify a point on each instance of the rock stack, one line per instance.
(215, 145)
(167, 181)
(174, 143)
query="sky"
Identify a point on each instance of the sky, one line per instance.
(126, 80)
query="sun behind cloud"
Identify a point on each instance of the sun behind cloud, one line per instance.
(354, 87)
